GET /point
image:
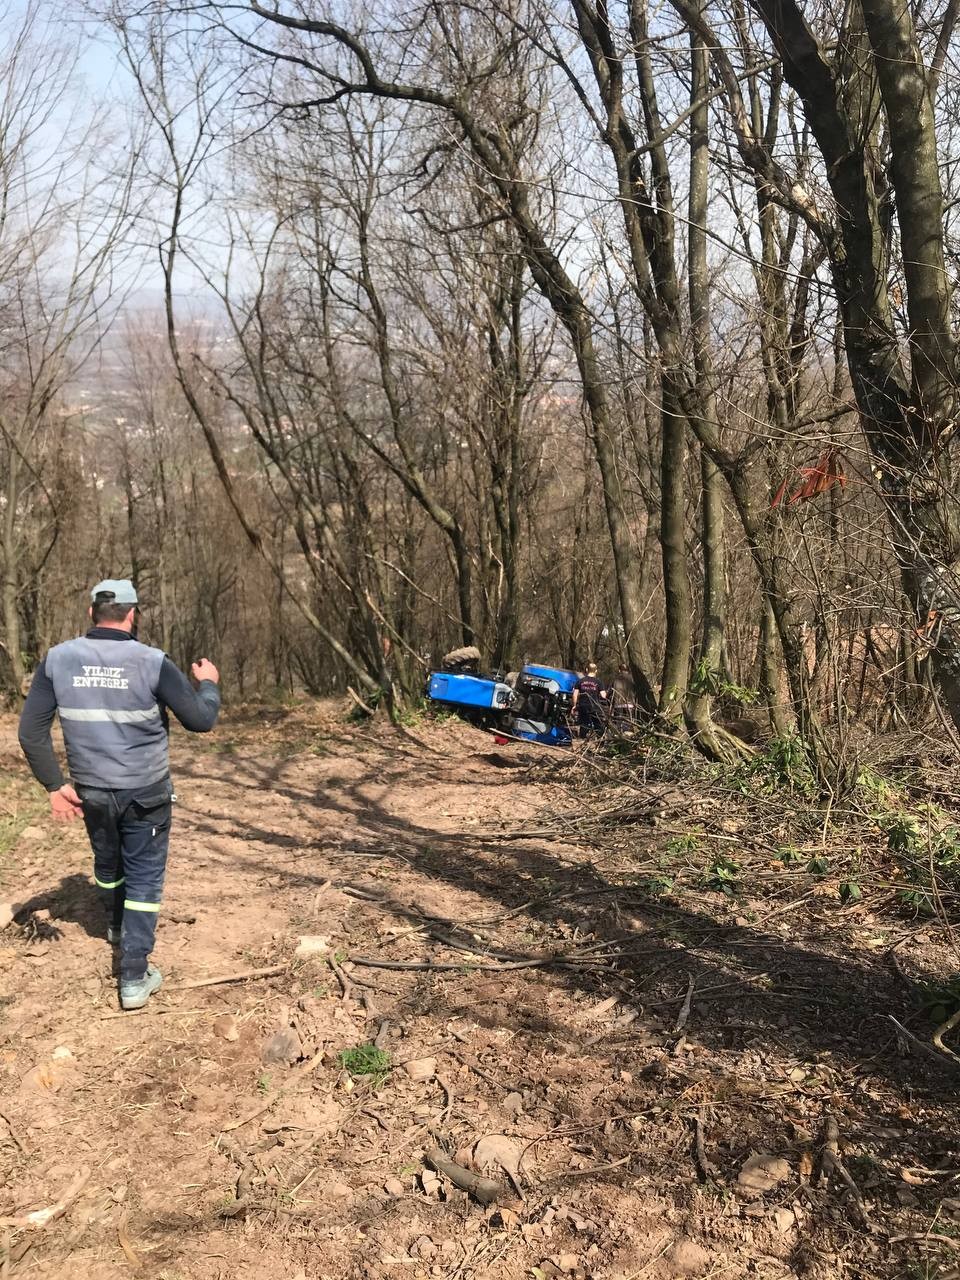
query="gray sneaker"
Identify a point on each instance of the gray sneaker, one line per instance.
(113, 935)
(135, 994)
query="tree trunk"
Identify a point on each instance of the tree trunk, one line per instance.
(11, 577)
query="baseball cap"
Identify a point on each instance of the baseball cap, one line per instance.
(117, 590)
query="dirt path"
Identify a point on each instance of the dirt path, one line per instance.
(385, 846)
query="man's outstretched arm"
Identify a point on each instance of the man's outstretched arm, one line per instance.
(196, 709)
(36, 719)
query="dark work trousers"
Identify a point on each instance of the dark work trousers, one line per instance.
(591, 720)
(130, 834)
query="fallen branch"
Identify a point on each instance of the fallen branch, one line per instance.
(13, 1134)
(245, 976)
(918, 1237)
(448, 1098)
(942, 1030)
(40, 1218)
(478, 1070)
(126, 1244)
(485, 1190)
(360, 702)
(708, 1169)
(368, 962)
(148, 1012)
(346, 990)
(685, 1007)
(946, 1060)
(277, 1094)
(830, 1163)
(596, 1168)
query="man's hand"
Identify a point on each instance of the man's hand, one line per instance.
(65, 804)
(205, 670)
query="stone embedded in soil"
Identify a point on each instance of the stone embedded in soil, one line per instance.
(421, 1069)
(7, 911)
(393, 1187)
(496, 1149)
(567, 1262)
(32, 833)
(226, 1027)
(784, 1220)
(761, 1173)
(48, 1076)
(312, 945)
(283, 1047)
(689, 1258)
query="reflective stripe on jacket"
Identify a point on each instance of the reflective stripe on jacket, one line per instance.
(113, 727)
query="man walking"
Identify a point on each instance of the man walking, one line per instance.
(112, 695)
(589, 696)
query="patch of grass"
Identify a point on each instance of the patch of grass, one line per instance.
(722, 875)
(368, 1062)
(850, 891)
(263, 1084)
(411, 715)
(783, 766)
(926, 846)
(658, 885)
(874, 787)
(687, 843)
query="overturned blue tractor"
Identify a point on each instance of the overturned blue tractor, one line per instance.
(532, 704)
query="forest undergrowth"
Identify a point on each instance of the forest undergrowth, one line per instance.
(438, 1006)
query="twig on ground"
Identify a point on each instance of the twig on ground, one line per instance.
(148, 1012)
(277, 1094)
(708, 1169)
(245, 976)
(545, 962)
(685, 1007)
(919, 1237)
(346, 989)
(448, 1095)
(830, 1162)
(942, 1030)
(830, 1150)
(360, 702)
(946, 1060)
(126, 1244)
(13, 1134)
(380, 1039)
(485, 1190)
(40, 1218)
(479, 1071)
(596, 1168)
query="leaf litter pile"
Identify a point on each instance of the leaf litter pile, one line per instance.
(435, 1009)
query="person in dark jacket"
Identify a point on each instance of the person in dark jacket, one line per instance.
(113, 695)
(590, 700)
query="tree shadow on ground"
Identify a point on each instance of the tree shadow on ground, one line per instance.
(804, 999)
